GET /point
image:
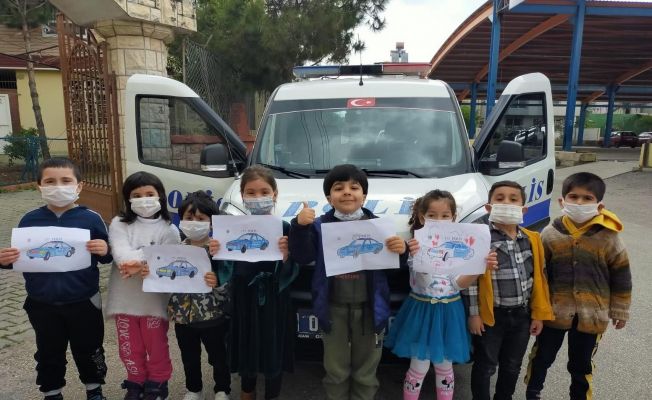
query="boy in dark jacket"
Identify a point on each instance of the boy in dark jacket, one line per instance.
(353, 308)
(65, 307)
(590, 284)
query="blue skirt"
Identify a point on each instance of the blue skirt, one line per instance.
(434, 332)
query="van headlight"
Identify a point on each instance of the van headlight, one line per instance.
(229, 209)
(477, 216)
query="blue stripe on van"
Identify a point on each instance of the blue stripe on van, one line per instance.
(536, 213)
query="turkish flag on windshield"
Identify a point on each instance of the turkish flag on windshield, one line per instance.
(364, 102)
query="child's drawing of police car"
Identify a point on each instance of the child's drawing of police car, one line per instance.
(451, 249)
(360, 246)
(177, 268)
(247, 241)
(54, 248)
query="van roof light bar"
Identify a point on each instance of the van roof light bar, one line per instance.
(319, 71)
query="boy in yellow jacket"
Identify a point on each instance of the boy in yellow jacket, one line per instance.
(507, 305)
(590, 284)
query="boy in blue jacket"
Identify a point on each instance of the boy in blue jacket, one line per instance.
(353, 308)
(65, 307)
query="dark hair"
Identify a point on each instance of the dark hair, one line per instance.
(198, 201)
(136, 180)
(584, 180)
(511, 184)
(420, 206)
(254, 172)
(343, 173)
(58, 162)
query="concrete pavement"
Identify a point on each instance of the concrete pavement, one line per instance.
(621, 360)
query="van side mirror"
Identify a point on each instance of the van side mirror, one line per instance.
(214, 158)
(510, 155)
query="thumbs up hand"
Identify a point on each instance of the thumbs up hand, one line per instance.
(306, 215)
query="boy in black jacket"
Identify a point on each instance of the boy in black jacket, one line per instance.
(65, 306)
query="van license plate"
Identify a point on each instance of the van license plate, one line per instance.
(307, 324)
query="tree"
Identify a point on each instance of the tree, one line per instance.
(261, 40)
(28, 14)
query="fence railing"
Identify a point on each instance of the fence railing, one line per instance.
(20, 157)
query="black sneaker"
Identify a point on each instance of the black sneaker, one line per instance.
(134, 390)
(156, 390)
(95, 394)
(57, 396)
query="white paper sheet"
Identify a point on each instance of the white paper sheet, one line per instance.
(248, 237)
(358, 245)
(51, 249)
(176, 268)
(452, 248)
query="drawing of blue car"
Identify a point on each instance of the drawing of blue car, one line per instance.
(360, 246)
(247, 241)
(177, 268)
(54, 248)
(452, 249)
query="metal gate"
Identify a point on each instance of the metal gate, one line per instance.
(92, 126)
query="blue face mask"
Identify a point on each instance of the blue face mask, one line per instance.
(259, 205)
(354, 216)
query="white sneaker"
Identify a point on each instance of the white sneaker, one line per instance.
(193, 396)
(221, 396)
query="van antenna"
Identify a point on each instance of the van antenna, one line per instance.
(360, 51)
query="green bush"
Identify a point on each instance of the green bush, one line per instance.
(21, 144)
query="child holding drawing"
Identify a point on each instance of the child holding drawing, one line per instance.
(431, 324)
(141, 318)
(263, 325)
(353, 309)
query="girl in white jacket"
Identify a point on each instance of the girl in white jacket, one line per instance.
(141, 318)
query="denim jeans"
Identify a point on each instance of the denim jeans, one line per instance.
(502, 345)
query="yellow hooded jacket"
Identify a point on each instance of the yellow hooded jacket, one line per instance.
(540, 300)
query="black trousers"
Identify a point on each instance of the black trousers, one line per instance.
(502, 345)
(190, 339)
(272, 385)
(80, 324)
(581, 349)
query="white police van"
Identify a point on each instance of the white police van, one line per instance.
(407, 133)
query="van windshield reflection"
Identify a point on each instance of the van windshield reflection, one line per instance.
(411, 142)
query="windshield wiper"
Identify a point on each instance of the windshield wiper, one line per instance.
(390, 172)
(285, 171)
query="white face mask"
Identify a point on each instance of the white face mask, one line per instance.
(259, 205)
(354, 216)
(507, 214)
(580, 213)
(59, 196)
(195, 230)
(145, 206)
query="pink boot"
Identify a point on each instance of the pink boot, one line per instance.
(412, 384)
(444, 381)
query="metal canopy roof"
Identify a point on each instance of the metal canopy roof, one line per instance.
(536, 36)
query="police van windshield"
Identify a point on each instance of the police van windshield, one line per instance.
(413, 141)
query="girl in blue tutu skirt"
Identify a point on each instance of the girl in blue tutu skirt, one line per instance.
(431, 325)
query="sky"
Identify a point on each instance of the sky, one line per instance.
(423, 25)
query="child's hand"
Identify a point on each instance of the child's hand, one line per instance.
(413, 246)
(619, 323)
(131, 268)
(395, 244)
(492, 260)
(97, 247)
(476, 327)
(283, 246)
(306, 216)
(9, 256)
(144, 271)
(213, 246)
(210, 279)
(535, 327)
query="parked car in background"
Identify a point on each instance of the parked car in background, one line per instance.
(644, 137)
(623, 138)
(51, 249)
